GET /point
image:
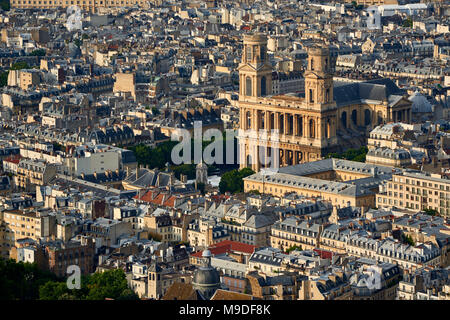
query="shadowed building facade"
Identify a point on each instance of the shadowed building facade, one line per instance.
(330, 117)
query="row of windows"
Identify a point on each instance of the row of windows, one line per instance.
(421, 183)
(74, 2)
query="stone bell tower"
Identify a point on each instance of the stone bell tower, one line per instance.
(255, 70)
(318, 78)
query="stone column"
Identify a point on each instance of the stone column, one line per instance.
(295, 157)
(242, 155)
(306, 127)
(286, 123)
(256, 162)
(294, 122)
(276, 121)
(257, 120)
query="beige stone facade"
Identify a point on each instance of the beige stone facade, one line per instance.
(19, 225)
(307, 127)
(416, 191)
(86, 5)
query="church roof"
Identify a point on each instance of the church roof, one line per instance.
(376, 90)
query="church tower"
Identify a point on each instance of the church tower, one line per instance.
(154, 281)
(318, 78)
(255, 70)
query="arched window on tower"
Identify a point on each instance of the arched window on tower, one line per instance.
(312, 64)
(312, 127)
(262, 53)
(327, 95)
(263, 86)
(311, 95)
(248, 86)
(328, 129)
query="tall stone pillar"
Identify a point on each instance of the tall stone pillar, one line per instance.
(294, 122)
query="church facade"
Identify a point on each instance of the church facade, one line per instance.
(330, 117)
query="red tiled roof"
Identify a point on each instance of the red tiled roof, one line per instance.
(227, 246)
(324, 254)
(14, 159)
(164, 199)
(219, 197)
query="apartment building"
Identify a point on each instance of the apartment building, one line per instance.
(32, 173)
(29, 78)
(292, 231)
(416, 191)
(32, 224)
(333, 286)
(106, 231)
(278, 287)
(391, 251)
(204, 233)
(159, 227)
(61, 255)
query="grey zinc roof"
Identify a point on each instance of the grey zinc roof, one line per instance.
(375, 90)
(258, 221)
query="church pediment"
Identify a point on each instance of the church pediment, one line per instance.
(403, 102)
(252, 68)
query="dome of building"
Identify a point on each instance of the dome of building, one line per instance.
(206, 254)
(420, 103)
(206, 278)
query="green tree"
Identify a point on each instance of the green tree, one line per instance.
(21, 281)
(53, 290)
(38, 52)
(407, 239)
(351, 154)
(232, 181)
(109, 284)
(408, 23)
(4, 4)
(4, 78)
(98, 286)
(155, 111)
(292, 248)
(20, 65)
(431, 212)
